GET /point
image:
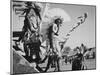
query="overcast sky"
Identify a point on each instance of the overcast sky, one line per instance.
(83, 34)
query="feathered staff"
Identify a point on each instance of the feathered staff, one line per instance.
(81, 21)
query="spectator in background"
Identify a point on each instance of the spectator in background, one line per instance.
(77, 61)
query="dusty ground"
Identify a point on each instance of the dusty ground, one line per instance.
(18, 68)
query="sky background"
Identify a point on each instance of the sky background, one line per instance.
(85, 33)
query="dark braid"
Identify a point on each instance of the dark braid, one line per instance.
(49, 35)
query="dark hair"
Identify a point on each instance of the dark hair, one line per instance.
(77, 47)
(58, 21)
(28, 3)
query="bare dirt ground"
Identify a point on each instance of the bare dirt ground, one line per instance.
(19, 69)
